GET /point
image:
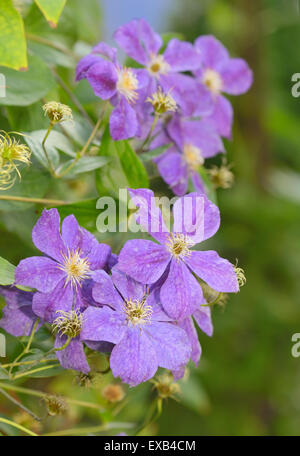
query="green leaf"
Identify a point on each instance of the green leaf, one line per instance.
(7, 272)
(84, 165)
(124, 170)
(147, 156)
(193, 394)
(23, 89)
(13, 52)
(51, 9)
(85, 212)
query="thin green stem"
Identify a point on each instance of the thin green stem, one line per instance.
(148, 139)
(23, 199)
(90, 430)
(18, 426)
(33, 371)
(36, 393)
(51, 169)
(27, 348)
(19, 404)
(209, 304)
(87, 144)
(52, 44)
(153, 415)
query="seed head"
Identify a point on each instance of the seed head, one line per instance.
(240, 276)
(11, 151)
(113, 393)
(162, 102)
(166, 387)
(57, 112)
(68, 323)
(221, 177)
(56, 405)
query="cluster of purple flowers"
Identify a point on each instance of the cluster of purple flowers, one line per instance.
(141, 306)
(196, 76)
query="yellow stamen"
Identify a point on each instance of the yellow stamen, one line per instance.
(162, 102)
(213, 81)
(158, 66)
(137, 312)
(128, 84)
(179, 245)
(68, 323)
(76, 267)
(193, 156)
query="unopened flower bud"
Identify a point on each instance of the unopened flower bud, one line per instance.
(57, 112)
(56, 405)
(213, 296)
(162, 102)
(113, 393)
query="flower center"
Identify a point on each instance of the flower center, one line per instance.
(158, 65)
(162, 102)
(213, 81)
(127, 84)
(68, 323)
(76, 267)
(137, 312)
(179, 245)
(193, 156)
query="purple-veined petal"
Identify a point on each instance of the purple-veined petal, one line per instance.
(145, 261)
(178, 374)
(73, 356)
(46, 234)
(203, 319)
(188, 326)
(134, 358)
(197, 183)
(236, 76)
(104, 291)
(123, 123)
(180, 294)
(149, 215)
(105, 51)
(211, 52)
(199, 134)
(173, 170)
(84, 65)
(221, 117)
(103, 78)
(217, 272)
(47, 305)
(39, 272)
(196, 216)
(18, 318)
(128, 287)
(102, 347)
(103, 324)
(138, 40)
(70, 233)
(181, 56)
(171, 344)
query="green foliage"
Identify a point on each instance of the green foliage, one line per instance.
(12, 37)
(7, 272)
(51, 9)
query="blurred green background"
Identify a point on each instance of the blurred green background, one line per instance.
(247, 382)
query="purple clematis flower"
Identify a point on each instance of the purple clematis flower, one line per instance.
(219, 73)
(141, 43)
(173, 259)
(18, 318)
(134, 321)
(111, 81)
(61, 277)
(193, 142)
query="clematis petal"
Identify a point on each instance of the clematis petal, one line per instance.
(181, 56)
(128, 287)
(217, 272)
(123, 123)
(46, 234)
(40, 273)
(134, 358)
(196, 216)
(188, 326)
(103, 78)
(46, 305)
(180, 294)
(171, 344)
(149, 215)
(143, 260)
(70, 233)
(106, 51)
(138, 40)
(203, 319)
(104, 291)
(73, 356)
(173, 170)
(221, 117)
(236, 76)
(199, 134)
(84, 65)
(102, 324)
(18, 318)
(211, 52)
